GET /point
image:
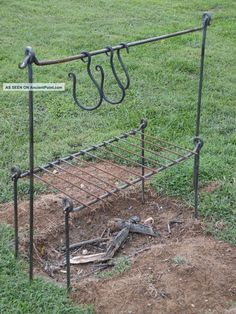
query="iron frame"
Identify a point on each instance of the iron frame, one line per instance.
(30, 60)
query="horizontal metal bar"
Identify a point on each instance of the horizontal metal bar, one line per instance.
(72, 184)
(81, 178)
(135, 154)
(92, 148)
(60, 190)
(158, 146)
(102, 170)
(118, 166)
(137, 180)
(108, 162)
(82, 152)
(168, 143)
(90, 174)
(147, 150)
(146, 176)
(118, 47)
(129, 160)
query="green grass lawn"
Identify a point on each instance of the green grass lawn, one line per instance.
(164, 81)
(17, 295)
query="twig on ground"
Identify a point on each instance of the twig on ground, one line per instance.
(140, 251)
(174, 221)
(103, 233)
(82, 243)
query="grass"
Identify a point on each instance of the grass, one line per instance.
(179, 260)
(19, 296)
(232, 304)
(122, 264)
(164, 80)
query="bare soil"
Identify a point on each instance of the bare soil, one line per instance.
(185, 271)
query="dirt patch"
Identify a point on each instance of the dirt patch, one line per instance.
(157, 283)
(211, 187)
(184, 271)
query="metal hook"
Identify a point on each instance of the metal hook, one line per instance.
(73, 77)
(124, 45)
(112, 102)
(206, 19)
(15, 173)
(29, 58)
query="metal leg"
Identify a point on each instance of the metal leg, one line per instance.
(143, 163)
(31, 170)
(68, 207)
(206, 19)
(199, 144)
(28, 61)
(195, 184)
(15, 175)
(16, 218)
(143, 126)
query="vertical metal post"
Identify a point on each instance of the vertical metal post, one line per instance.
(27, 62)
(16, 217)
(143, 126)
(206, 19)
(30, 56)
(199, 143)
(31, 169)
(68, 207)
(15, 175)
(143, 163)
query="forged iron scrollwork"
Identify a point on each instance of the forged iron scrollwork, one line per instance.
(73, 77)
(100, 87)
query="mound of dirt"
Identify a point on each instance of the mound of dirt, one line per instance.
(196, 275)
(183, 271)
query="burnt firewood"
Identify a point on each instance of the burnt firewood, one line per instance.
(83, 243)
(118, 223)
(117, 242)
(101, 257)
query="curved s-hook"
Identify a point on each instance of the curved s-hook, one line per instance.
(73, 77)
(123, 65)
(112, 102)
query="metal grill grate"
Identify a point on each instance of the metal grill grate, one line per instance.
(146, 154)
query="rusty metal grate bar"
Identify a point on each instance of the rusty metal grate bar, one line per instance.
(82, 152)
(137, 180)
(60, 190)
(135, 155)
(82, 178)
